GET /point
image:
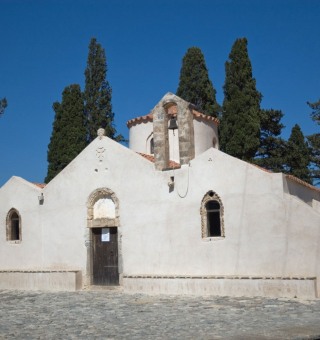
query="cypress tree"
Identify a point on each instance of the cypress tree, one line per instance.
(240, 122)
(195, 85)
(315, 114)
(272, 148)
(3, 105)
(97, 94)
(68, 137)
(314, 143)
(298, 155)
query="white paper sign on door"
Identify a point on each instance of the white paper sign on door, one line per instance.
(105, 235)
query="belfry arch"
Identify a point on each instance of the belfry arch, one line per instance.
(172, 106)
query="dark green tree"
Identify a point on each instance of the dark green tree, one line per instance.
(315, 114)
(240, 121)
(97, 94)
(195, 85)
(271, 150)
(314, 143)
(68, 137)
(3, 105)
(298, 155)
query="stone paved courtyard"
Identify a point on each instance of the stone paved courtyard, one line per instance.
(111, 314)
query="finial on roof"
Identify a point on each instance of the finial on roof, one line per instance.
(101, 133)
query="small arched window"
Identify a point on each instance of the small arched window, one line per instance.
(13, 226)
(151, 146)
(213, 219)
(212, 216)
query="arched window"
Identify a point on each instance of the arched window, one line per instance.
(13, 226)
(211, 216)
(151, 146)
(213, 219)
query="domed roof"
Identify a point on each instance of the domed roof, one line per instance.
(172, 110)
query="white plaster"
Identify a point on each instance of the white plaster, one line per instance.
(269, 229)
(316, 205)
(205, 133)
(174, 145)
(274, 287)
(41, 280)
(140, 136)
(104, 208)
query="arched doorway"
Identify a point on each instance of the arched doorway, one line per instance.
(103, 221)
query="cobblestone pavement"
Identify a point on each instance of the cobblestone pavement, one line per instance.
(111, 314)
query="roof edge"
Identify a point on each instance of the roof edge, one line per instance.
(172, 164)
(300, 181)
(149, 118)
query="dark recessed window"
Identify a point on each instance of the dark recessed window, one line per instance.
(213, 219)
(13, 226)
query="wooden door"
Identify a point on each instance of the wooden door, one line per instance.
(105, 256)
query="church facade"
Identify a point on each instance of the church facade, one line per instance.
(170, 214)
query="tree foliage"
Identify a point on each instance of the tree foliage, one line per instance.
(195, 85)
(314, 143)
(315, 114)
(97, 94)
(68, 137)
(3, 105)
(272, 147)
(80, 115)
(298, 155)
(240, 122)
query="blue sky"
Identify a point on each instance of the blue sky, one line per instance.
(44, 48)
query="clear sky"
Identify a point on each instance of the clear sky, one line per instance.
(44, 48)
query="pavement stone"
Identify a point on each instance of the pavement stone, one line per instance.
(112, 314)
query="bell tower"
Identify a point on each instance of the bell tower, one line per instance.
(173, 131)
(171, 106)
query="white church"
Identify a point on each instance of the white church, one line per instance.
(171, 214)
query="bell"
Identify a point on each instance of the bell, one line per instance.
(173, 124)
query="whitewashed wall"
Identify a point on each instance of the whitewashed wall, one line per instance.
(205, 135)
(140, 135)
(22, 196)
(267, 232)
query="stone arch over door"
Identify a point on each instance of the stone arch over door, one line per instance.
(107, 220)
(102, 215)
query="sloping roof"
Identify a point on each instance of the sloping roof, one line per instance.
(138, 120)
(300, 181)
(261, 168)
(292, 178)
(149, 118)
(172, 164)
(40, 185)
